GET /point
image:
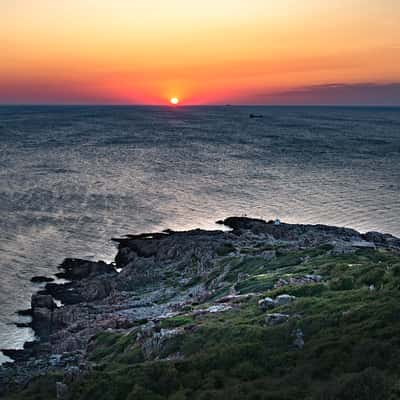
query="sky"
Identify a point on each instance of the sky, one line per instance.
(203, 52)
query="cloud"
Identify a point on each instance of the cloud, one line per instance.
(337, 94)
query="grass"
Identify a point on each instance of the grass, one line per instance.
(351, 334)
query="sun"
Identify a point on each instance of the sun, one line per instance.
(174, 101)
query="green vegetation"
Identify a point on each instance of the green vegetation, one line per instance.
(350, 324)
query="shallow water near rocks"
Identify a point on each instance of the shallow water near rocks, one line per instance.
(73, 177)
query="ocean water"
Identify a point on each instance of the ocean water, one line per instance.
(73, 177)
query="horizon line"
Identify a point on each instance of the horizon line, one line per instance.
(194, 105)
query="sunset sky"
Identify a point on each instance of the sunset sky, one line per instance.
(203, 52)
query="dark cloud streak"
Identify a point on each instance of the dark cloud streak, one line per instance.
(363, 94)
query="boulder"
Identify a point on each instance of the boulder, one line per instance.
(41, 322)
(363, 244)
(298, 339)
(276, 319)
(41, 279)
(76, 269)
(284, 299)
(266, 304)
(43, 301)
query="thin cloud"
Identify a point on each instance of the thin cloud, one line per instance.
(338, 94)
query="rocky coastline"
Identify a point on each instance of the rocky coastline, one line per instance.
(159, 276)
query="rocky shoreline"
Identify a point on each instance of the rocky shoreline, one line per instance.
(157, 276)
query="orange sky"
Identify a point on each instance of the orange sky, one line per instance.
(209, 51)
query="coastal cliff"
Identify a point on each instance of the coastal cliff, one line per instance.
(266, 310)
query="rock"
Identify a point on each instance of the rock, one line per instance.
(41, 322)
(41, 279)
(154, 344)
(284, 299)
(55, 360)
(276, 319)
(165, 274)
(75, 269)
(237, 298)
(42, 301)
(382, 239)
(266, 304)
(362, 244)
(298, 280)
(313, 278)
(298, 339)
(218, 308)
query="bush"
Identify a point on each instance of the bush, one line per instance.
(366, 385)
(342, 283)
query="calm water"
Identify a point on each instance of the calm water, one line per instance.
(71, 178)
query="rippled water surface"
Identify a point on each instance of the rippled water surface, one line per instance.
(72, 177)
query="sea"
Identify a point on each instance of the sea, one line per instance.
(73, 177)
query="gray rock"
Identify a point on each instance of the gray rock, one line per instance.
(363, 244)
(298, 339)
(284, 299)
(43, 301)
(55, 360)
(313, 277)
(276, 319)
(266, 304)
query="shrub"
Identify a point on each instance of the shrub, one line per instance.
(342, 283)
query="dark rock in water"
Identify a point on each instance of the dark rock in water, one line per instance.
(23, 324)
(75, 269)
(242, 223)
(42, 308)
(42, 301)
(16, 355)
(256, 116)
(64, 292)
(25, 313)
(41, 279)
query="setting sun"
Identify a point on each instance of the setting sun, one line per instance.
(174, 100)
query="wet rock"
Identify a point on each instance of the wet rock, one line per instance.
(41, 279)
(42, 301)
(75, 269)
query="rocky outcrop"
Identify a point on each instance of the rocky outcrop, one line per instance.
(75, 269)
(171, 273)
